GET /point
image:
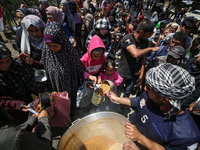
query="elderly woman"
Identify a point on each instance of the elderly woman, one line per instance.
(32, 38)
(16, 77)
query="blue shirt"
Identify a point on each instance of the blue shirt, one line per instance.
(65, 28)
(161, 52)
(175, 133)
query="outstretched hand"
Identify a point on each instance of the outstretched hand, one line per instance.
(25, 57)
(153, 49)
(25, 108)
(113, 97)
(132, 132)
(130, 145)
(93, 78)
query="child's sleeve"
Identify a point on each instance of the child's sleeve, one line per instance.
(119, 79)
(100, 76)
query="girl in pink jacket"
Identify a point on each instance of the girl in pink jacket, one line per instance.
(110, 74)
(94, 60)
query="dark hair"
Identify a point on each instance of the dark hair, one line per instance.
(99, 50)
(196, 41)
(110, 62)
(134, 20)
(4, 51)
(118, 24)
(188, 23)
(146, 25)
(180, 36)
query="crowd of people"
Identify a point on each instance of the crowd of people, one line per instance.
(157, 59)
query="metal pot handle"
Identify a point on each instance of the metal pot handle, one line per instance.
(76, 121)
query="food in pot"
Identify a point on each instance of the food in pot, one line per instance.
(103, 89)
(39, 107)
(99, 92)
(99, 142)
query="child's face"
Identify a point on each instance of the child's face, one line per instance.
(109, 70)
(96, 55)
(54, 47)
(130, 26)
(103, 31)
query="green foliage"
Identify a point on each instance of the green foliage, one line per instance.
(9, 8)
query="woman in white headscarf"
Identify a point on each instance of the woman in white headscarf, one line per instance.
(32, 36)
(154, 17)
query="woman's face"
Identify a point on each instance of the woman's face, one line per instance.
(103, 31)
(42, 5)
(54, 47)
(111, 18)
(19, 16)
(40, 15)
(63, 7)
(5, 63)
(49, 16)
(35, 32)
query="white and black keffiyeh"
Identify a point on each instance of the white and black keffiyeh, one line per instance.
(172, 82)
(103, 23)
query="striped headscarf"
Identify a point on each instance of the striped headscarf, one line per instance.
(172, 82)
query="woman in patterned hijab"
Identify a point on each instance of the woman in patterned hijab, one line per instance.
(16, 77)
(61, 62)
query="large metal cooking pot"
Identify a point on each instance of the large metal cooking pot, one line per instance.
(108, 124)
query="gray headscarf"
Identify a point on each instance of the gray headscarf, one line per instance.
(68, 14)
(45, 3)
(172, 82)
(155, 17)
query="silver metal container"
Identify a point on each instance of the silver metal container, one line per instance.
(96, 99)
(40, 75)
(108, 124)
(110, 83)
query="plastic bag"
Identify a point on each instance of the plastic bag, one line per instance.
(84, 95)
(61, 106)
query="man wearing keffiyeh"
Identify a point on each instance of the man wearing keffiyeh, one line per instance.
(159, 120)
